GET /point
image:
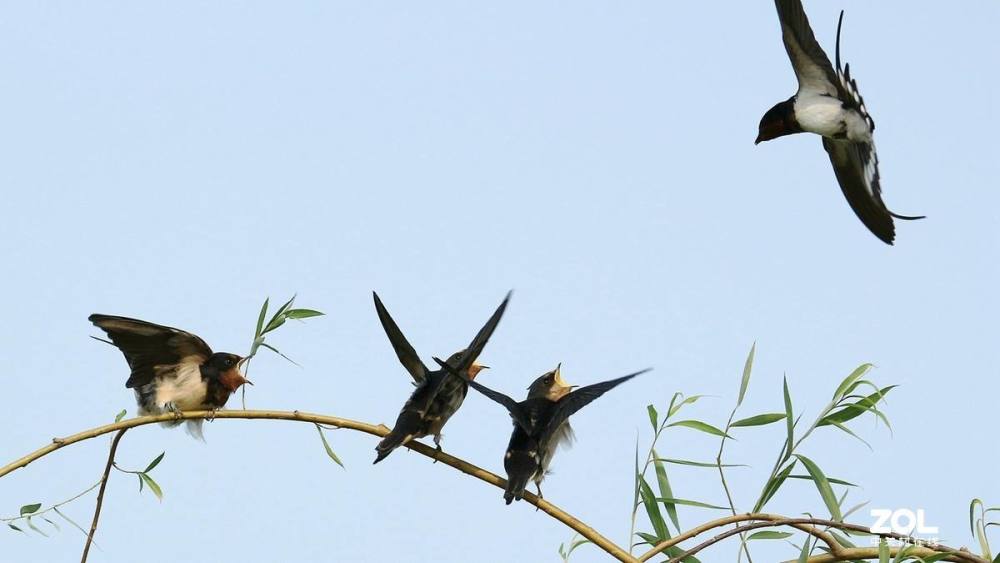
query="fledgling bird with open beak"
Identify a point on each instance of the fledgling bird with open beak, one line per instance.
(828, 103)
(439, 393)
(172, 370)
(541, 424)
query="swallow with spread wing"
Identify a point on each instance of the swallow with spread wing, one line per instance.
(541, 424)
(828, 103)
(439, 393)
(172, 370)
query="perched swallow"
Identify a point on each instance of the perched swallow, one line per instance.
(541, 424)
(440, 393)
(172, 370)
(828, 103)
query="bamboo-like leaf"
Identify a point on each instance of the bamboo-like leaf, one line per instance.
(154, 463)
(329, 450)
(71, 521)
(687, 401)
(841, 538)
(972, 515)
(830, 479)
(806, 550)
(260, 318)
(790, 440)
(984, 542)
(653, 510)
(851, 433)
(30, 508)
(769, 535)
(665, 492)
(856, 409)
(152, 486)
(773, 485)
(34, 527)
(702, 426)
(760, 419)
(686, 502)
(53, 524)
(823, 485)
(647, 538)
(883, 551)
(120, 415)
(700, 463)
(850, 379)
(141, 484)
(653, 417)
(745, 381)
(276, 351)
(302, 313)
(13, 527)
(279, 317)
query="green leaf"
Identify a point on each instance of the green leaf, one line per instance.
(773, 485)
(760, 419)
(30, 508)
(279, 317)
(883, 551)
(790, 441)
(858, 408)
(53, 524)
(806, 550)
(665, 492)
(823, 485)
(700, 463)
(70, 520)
(674, 408)
(695, 503)
(152, 486)
(830, 479)
(653, 510)
(34, 527)
(745, 382)
(702, 426)
(260, 318)
(972, 511)
(302, 314)
(13, 527)
(276, 351)
(154, 463)
(648, 538)
(849, 380)
(653, 417)
(769, 535)
(329, 450)
(852, 433)
(141, 484)
(120, 415)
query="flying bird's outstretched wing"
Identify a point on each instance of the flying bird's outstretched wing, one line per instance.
(812, 67)
(513, 407)
(482, 337)
(578, 399)
(147, 345)
(404, 351)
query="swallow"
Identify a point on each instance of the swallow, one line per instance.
(172, 370)
(829, 104)
(541, 424)
(439, 393)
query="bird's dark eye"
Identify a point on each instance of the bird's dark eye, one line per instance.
(548, 380)
(228, 362)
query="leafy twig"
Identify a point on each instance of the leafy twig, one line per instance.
(100, 493)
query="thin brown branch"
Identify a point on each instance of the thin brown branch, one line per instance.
(100, 493)
(375, 430)
(807, 525)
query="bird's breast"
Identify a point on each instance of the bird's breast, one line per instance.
(827, 116)
(182, 386)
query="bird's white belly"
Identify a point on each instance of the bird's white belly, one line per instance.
(187, 390)
(826, 116)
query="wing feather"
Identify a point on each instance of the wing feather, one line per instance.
(147, 345)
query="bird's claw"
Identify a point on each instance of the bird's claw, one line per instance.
(171, 407)
(211, 414)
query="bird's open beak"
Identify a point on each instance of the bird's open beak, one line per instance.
(559, 380)
(239, 365)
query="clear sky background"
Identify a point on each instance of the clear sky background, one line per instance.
(180, 163)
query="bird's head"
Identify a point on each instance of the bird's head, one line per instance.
(778, 122)
(226, 369)
(474, 368)
(550, 385)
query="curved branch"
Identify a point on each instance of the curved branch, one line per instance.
(100, 493)
(375, 430)
(808, 525)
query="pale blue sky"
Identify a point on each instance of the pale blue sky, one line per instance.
(179, 163)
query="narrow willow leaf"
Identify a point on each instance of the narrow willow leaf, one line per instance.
(694, 503)
(700, 463)
(152, 486)
(841, 539)
(279, 317)
(260, 319)
(773, 485)
(575, 545)
(849, 380)
(760, 419)
(30, 508)
(790, 441)
(141, 484)
(71, 521)
(984, 542)
(648, 538)
(823, 485)
(276, 351)
(676, 407)
(904, 553)
(806, 550)
(13, 527)
(653, 417)
(858, 408)
(120, 415)
(830, 479)
(972, 517)
(34, 527)
(53, 524)
(653, 510)
(302, 313)
(677, 551)
(745, 382)
(851, 433)
(702, 426)
(883, 551)
(666, 494)
(154, 463)
(769, 535)
(329, 450)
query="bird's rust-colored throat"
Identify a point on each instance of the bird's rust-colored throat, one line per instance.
(232, 379)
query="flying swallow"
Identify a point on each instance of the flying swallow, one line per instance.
(541, 424)
(439, 393)
(828, 103)
(172, 370)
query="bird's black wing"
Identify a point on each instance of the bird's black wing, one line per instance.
(147, 345)
(404, 351)
(517, 412)
(812, 66)
(482, 337)
(578, 399)
(856, 167)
